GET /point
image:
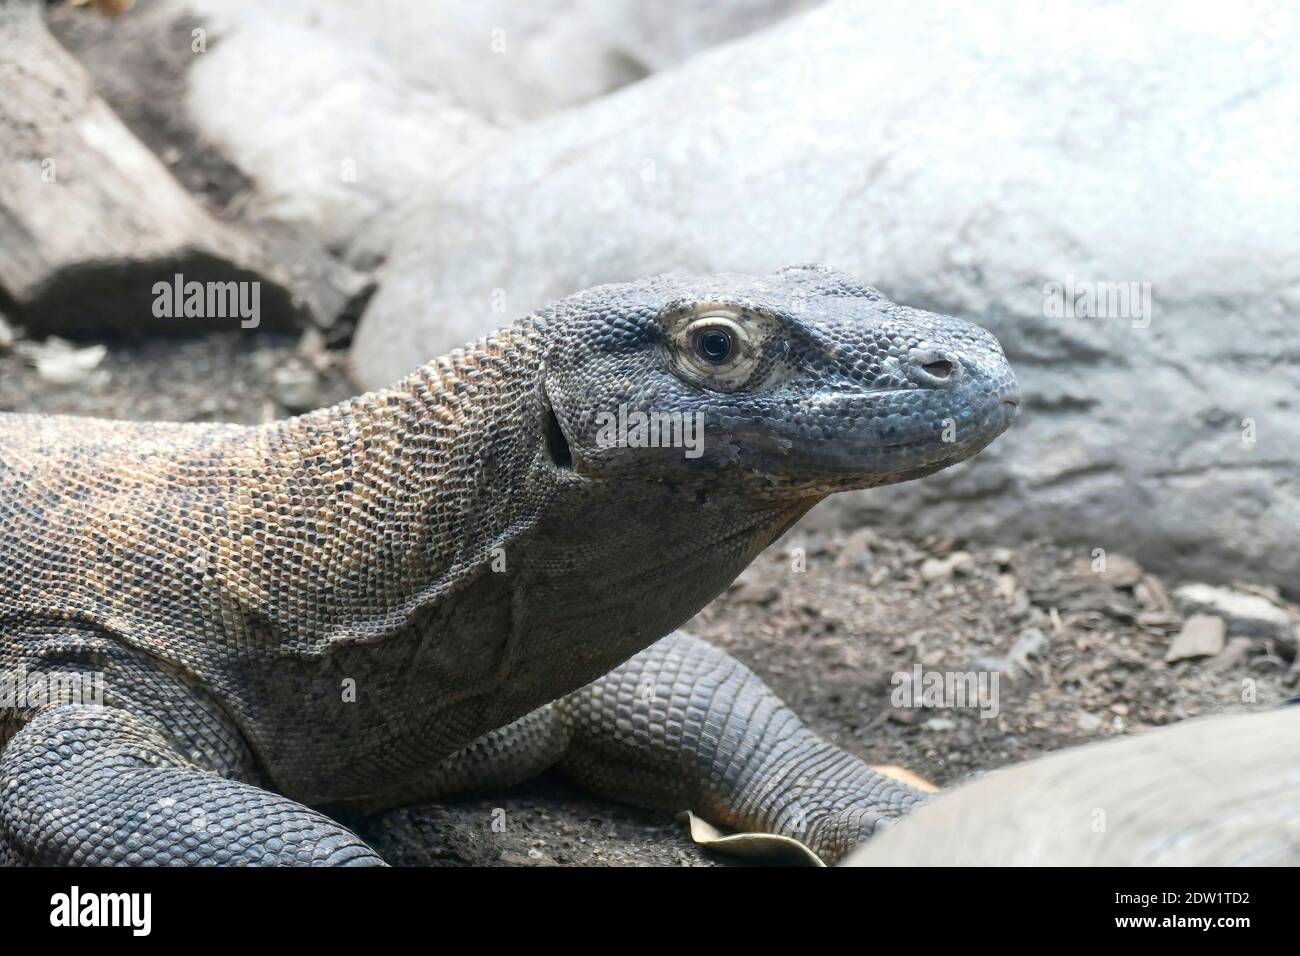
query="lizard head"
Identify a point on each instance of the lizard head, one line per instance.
(798, 384)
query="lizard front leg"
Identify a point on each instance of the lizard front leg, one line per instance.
(84, 784)
(683, 725)
(686, 725)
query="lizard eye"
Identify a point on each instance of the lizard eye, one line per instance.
(714, 345)
(717, 346)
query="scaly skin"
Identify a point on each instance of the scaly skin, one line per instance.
(376, 602)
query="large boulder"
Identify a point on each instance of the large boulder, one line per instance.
(506, 61)
(333, 138)
(92, 222)
(991, 161)
(1216, 791)
(312, 151)
(330, 115)
(379, 101)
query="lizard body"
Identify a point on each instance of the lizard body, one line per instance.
(334, 609)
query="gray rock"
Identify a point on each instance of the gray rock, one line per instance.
(1032, 643)
(1236, 652)
(62, 363)
(1247, 615)
(379, 100)
(1204, 792)
(941, 569)
(1203, 635)
(334, 137)
(961, 157)
(296, 387)
(1089, 723)
(90, 220)
(1121, 572)
(504, 61)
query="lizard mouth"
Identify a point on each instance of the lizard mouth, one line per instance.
(882, 448)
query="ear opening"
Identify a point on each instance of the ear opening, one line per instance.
(557, 446)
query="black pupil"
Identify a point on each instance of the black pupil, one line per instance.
(715, 345)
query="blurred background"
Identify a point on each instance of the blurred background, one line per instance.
(1113, 188)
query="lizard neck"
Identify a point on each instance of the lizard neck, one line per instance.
(425, 480)
(603, 579)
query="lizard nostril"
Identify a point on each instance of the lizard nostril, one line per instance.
(940, 368)
(933, 368)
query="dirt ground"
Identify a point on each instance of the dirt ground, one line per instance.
(825, 618)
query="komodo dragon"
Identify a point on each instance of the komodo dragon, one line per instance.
(460, 580)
